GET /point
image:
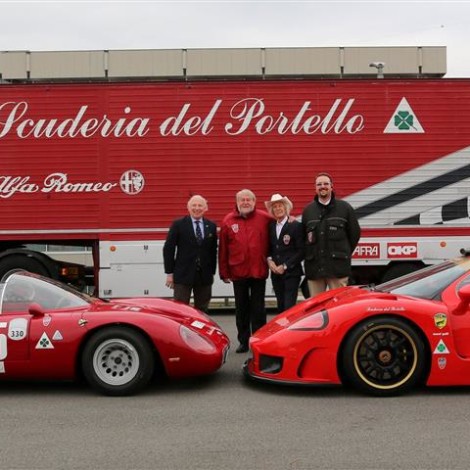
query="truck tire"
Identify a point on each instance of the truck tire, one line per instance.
(12, 264)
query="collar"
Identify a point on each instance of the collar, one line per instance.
(325, 204)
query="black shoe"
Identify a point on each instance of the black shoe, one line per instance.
(242, 348)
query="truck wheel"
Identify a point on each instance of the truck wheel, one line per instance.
(13, 264)
(383, 357)
(400, 269)
(118, 361)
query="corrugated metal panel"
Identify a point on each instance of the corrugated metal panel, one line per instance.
(303, 61)
(227, 62)
(146, 63)
(14, 65)
(78, 64)
(214, 138)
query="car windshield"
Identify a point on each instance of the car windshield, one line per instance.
(20, 290)
(427, 283)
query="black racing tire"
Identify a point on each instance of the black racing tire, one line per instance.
(118, 361)
(384, 356)
(15, 263)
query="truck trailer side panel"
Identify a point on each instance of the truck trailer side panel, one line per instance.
(115, 163)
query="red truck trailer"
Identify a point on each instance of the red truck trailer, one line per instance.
(110, 165)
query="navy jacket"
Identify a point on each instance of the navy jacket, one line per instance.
(289, 248)
(182, 256)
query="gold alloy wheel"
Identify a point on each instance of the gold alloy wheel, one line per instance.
(385, 357)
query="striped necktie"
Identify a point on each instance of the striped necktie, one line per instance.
(198, 232)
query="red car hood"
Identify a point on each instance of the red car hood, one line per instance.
(326, 300)
(155, 306)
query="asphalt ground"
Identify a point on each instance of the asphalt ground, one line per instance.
(224, 422)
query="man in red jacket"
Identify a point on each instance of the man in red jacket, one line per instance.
(243, 251)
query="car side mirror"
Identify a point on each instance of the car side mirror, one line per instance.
(36, 310)
(464, 293)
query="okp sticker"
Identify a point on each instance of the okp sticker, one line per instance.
(286, 239)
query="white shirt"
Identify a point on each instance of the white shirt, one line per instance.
(279, 226)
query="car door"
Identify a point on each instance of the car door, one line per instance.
(459, 314)
(15, 327)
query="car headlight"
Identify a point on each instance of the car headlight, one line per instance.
(316, 321)
(196, 341)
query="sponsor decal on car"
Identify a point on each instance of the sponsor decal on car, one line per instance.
(440, 320)
(442, 362)
(386, 309)
(17, 329)
(44, 342)
(441, 348)
(57, 336)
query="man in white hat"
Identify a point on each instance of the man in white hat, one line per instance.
(286, 251)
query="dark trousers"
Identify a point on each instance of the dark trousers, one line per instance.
(286, 290)
(202, 295)
(249, 305)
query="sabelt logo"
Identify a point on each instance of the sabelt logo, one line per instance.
(367, 250)
(402, 250)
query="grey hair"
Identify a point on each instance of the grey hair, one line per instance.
(197, 197)
(246, 192)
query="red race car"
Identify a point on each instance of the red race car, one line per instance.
(380, 340)
(49, 331)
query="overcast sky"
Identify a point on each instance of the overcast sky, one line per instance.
(97, 25)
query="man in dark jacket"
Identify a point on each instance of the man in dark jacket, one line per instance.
(286, 251)
(190, 255)
(331, 235)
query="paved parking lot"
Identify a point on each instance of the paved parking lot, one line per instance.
(222, 422)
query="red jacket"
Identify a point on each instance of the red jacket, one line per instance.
(243, 246)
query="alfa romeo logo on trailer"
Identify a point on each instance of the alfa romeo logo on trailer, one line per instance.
(132, 182)
(404, 120)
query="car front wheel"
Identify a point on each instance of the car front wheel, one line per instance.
(118, 361)
(383, 356)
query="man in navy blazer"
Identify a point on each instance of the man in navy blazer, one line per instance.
(286, 251)
(190, 255)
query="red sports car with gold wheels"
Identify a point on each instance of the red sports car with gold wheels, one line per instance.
(383, 340)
